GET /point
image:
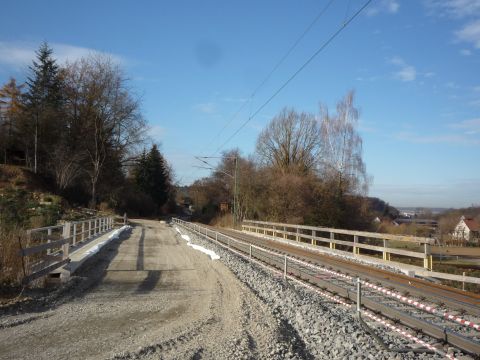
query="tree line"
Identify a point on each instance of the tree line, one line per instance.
(80, 126)
(306, 169)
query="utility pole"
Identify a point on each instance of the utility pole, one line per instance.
(234, 177)
(235, 193)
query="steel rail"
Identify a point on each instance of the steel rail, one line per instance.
(305, 272)
(453, 298)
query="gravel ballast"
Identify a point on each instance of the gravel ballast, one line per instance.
(152, 295)
(325, 329)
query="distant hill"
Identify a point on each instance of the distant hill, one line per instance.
(422, 210)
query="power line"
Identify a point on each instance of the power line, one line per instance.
(300, 69)
(324, 45)
(265, 80)
(277, 65)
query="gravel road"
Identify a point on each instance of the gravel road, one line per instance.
(149, 296)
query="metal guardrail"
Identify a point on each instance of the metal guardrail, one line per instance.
(356, 240)
(50, 255)
(439, 327)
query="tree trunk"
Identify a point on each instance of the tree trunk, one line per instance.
(36, 144)
(93, 201)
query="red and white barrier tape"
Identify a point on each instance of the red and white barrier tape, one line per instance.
(406, 334)
(337, 300)
(419, 305)
(395, 295)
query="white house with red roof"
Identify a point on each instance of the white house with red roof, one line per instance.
(467, 229)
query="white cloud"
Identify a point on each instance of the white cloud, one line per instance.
(470, 33)
(18, 54)
(454, 8)
(206, 108)
(451, 85)
(383, 6)
(405, 71)
(475, 103)
(156, 132)
(470, 127)
(460, 9)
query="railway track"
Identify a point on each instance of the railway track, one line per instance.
(438, 295)
(438, 311)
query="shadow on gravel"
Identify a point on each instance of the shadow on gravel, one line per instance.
(150, 282)
(141, 251)
(87, 277)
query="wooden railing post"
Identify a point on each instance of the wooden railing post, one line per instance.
(386, 254)
(332, 244)
(314, 235)
(49, 233)
(356, 250)
(66, 235)
(427, 261)
(74, 239)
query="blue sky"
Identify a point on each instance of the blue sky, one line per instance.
(413, 64)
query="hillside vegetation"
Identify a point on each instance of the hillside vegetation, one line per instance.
(72, 137)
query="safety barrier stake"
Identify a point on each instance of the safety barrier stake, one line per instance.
(359, 294)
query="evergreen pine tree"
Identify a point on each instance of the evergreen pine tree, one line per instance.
(140, 172)
(152, 176)
(42, 103)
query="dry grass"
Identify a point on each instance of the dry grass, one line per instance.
(18, 177)
(223, 221)
(11, 268)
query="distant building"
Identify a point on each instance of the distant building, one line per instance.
(467, 229)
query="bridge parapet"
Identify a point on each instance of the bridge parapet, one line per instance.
(49, 247)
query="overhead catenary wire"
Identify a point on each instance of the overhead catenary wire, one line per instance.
(293, 76)
(269, 75)
(275, 68)
(298, 71)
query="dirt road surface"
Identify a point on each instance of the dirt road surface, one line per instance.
(152, 297)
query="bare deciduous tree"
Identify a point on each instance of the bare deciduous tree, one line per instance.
(67, 166)
(290, 142)
(340, 156)
(109, 117)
